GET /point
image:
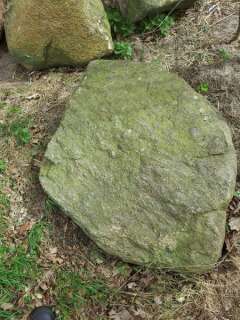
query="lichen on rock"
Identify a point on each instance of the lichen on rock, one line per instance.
(145, 166)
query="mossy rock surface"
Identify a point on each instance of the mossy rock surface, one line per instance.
(145, 166)
(48, 33)
(136, 10)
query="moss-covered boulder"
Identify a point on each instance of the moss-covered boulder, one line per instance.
(136, 10)
(145, 166)
(42, 34)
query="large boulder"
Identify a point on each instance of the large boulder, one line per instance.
(145, 166)
(136, 10)
(1, 18)
(42, 34)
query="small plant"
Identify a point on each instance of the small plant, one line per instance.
(203, 87)
(160, 23)
(119, 24)
(224, 54)
(17, 270)
(3, 166)
(21, 132)
(237, 194)
(123, 50)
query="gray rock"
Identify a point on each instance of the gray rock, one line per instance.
(145, 166)
(136, 10)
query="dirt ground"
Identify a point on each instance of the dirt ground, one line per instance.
(197, 50)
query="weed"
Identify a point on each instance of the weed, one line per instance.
(123, 50)
(16, 126)
(119, 24)
(75, 289)
(17, 270)
(19, 129)
(203, 87)
(3, 166)
(224, 54)
(160, 23)
(4, 201)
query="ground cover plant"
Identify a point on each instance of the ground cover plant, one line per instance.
(44, 257)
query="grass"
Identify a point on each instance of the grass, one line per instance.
(15, 125)
(75, 290)
(35, 237)
(4, 206)
(160, 24)
(224, 54)
(19, 270)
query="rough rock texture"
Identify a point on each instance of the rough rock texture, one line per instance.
(145, 166)
(48, 33)
(136, 10)
(1, 18)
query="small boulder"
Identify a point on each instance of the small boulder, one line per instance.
(145, 166)
(42, 34)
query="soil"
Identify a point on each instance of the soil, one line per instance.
(197, 50)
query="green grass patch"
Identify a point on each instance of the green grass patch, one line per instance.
(16, 125)
(4, 201)
(21, 132)
(224, 54)
(3, 166)
(19, 269)
(4, 206)
(13, 110)
(76, 290)
(35, 237)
